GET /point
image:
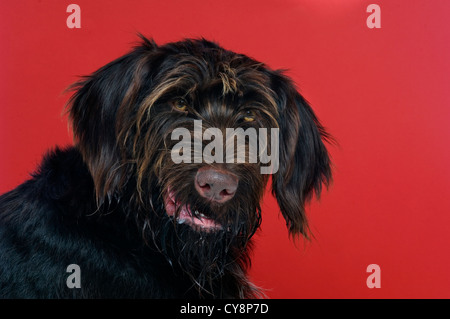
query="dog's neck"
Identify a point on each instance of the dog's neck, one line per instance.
(68, 181)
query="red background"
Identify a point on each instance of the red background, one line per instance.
(383, 94)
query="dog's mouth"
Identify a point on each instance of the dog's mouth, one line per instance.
(197, 220)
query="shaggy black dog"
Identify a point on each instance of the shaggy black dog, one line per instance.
(116, 216)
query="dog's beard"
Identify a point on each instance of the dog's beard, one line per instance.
(202, 256)
(203, 240)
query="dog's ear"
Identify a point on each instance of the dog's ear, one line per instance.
(303, 157)
(93, 113)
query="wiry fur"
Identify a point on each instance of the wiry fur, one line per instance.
(100, 203)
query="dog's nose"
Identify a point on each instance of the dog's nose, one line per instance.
(219, 186)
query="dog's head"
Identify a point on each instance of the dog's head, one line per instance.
(158, 129)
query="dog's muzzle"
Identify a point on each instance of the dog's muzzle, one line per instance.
(217, 186)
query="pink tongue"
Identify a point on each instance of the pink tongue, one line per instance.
(185, 213)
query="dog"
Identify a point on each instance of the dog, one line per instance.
(113, 216)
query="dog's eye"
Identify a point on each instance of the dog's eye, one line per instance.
(180, 104)
(249, 116)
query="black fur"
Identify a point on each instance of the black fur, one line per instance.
(101, 203)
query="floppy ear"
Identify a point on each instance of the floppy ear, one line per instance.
(304, 159)
(96, 113)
